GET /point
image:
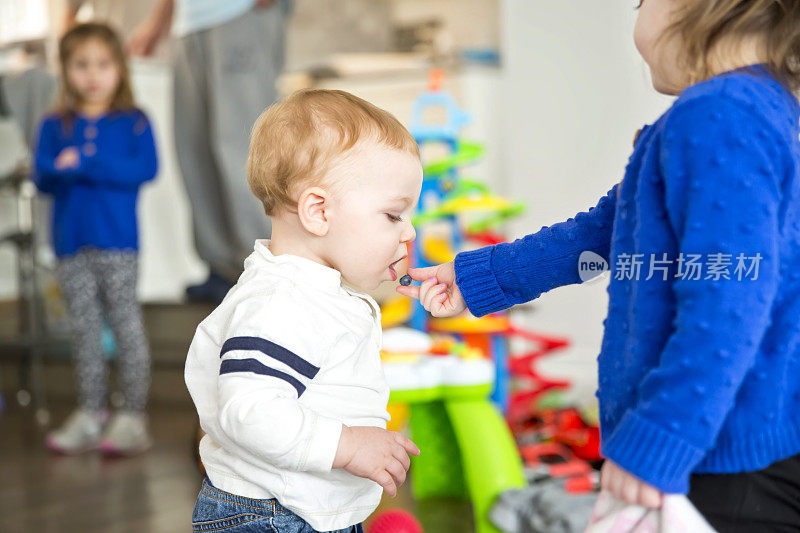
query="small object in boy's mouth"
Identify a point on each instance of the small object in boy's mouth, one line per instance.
(405, 280)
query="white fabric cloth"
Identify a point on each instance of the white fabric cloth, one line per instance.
(196, 15)
(676, 515)
(289, 356)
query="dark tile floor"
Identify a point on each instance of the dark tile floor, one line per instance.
(42, 492)
(154, 492)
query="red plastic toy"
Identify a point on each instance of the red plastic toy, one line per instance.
(531, 383)
(557, 461)
(565, 426)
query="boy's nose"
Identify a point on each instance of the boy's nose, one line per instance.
(410, 235)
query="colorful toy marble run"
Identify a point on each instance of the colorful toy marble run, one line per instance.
(453, 373)
(468, 449)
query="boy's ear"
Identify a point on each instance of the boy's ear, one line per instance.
(311, 208)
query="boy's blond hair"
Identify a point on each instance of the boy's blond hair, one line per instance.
(295, 141)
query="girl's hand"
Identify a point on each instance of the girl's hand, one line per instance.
(627, 487)
(68, 158)
(438, 293)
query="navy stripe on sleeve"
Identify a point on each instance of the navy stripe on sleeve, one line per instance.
(229, 366)
(277, 352)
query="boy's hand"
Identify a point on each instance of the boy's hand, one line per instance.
(376, 454)
(627, 487)
(68, 158)
(438, 293)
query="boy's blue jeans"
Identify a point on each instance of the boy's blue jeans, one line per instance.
(221, 511)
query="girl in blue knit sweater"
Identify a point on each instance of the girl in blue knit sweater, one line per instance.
(699, 370)
(92, 156)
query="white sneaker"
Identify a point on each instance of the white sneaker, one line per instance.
(79, 433)
(126, 434)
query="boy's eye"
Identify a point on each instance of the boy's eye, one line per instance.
(394, 218)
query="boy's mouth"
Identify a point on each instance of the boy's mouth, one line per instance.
(392, 271)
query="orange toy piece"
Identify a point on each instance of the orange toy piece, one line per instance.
(435, 78)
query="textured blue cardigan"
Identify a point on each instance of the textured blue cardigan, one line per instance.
(94, 205)
(699, 369)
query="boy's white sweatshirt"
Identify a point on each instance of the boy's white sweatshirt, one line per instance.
(287, 358)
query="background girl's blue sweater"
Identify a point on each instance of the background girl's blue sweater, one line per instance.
(695, 375)
(94, 205)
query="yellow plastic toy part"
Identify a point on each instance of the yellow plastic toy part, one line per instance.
(399, 413)
(499, 209)
(437, 250)
(395, 312)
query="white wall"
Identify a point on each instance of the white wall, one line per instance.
(574, 93)
(168, 260)
(559, 123)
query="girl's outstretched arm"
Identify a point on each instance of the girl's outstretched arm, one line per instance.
(496, 277)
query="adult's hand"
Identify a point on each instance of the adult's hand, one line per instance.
(144, 40)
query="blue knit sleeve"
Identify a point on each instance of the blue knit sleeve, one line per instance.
(722, 166)
(139, 165)
(496, 277)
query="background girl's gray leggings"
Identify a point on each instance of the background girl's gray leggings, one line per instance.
(98, 283)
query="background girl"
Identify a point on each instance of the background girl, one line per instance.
(699, 370)
(93, 154)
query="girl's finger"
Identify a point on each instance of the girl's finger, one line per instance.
(442, 304)
(421, 274)
(630, 490)
(649, 497)
(432, 294)
(410, 291)
(615, 483)
(604, 477)
(424, 289)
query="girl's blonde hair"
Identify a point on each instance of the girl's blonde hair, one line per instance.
(701, 24)
(68, 99)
